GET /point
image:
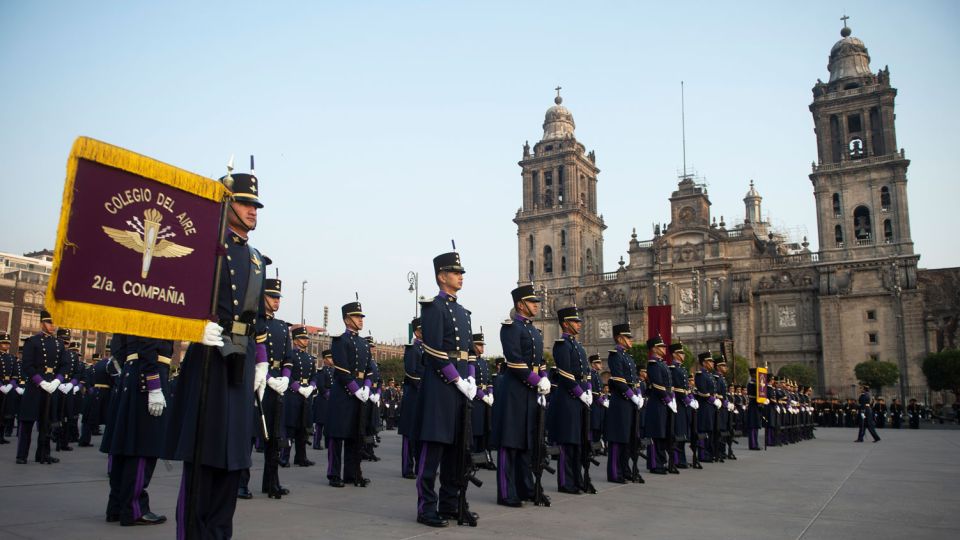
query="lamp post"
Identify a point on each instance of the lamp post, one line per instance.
(414, 280)
(303, 295)
(896, 290)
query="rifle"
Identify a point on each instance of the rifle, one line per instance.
(539, 458)
(635, 451)
(361, 440)
(586, 450)
(274, 446)
(466, 473)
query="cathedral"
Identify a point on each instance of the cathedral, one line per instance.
(747, 286)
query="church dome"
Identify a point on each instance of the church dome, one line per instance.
(753, 193)
(848, 58)
(558, 122)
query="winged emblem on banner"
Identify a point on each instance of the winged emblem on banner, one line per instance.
(148, 238)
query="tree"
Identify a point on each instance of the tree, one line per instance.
(391, 368)
(942, 370)
(876, 374)
(738, 371)
(802, 373)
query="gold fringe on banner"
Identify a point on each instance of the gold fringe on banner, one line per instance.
(112, 319)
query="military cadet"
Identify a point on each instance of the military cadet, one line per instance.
(44, 368)
(69, 429)
(482, 410)
(322, 399)
(896, 413)
(372, 410)
(236, 354)
(515, 410)
(658, 422)
(683, 398)
(412, 372)
(391, 404)
(97, 399)
(280, 358)
(867, 421)
(880, 412)
(600, 400)
(621, 427)
(297, 408)
(448, 385)
(753, 421)
(58, 403)
(725, 413)
(708, 403)
(348, 396)
(570, 402)
(10, 389)
(913, 411)
(137, 437)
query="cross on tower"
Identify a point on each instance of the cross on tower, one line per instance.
(558, 90)
(845, 18)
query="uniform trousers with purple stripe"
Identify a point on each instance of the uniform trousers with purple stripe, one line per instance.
(618, 462)
(569, 469)
(434, 455)
(409, 454)
(129, 479)
(514, 475)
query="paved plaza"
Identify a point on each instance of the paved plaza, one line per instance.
(903, 487)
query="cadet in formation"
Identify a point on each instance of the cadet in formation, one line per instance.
(447, 387)
(11, 388)
(684, 398)
(236, 352)
(481, 413)
(412, 373)
(658, 425)
(707, 406)
(622, 429)
(520, 390)
(280, 363)
(321, 401)
(44, 367)
(297, 404)
(349, 395)
(867, 421)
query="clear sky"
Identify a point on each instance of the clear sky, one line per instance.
(383, 129)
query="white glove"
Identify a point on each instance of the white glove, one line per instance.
(366, 393)
(694, 404)
(543, 386)
(361, 394)
(589, 398)
(488, 399)
(65, 387)
(585, 398)
(50, 386)
(20, 390)
(673, 405)
(717, 403)
(636, 400)
(542, 400)
(473, 385)
(155, 402)
(6, 388)
(278, 384)
(76, 389)
(730, 407)
(306, 391)
(606, 403)
(260, 376)
(464, 387)
(375, 398)
(212, 335)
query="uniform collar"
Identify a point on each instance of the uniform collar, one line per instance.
(620, 348)
(236, 238)
(447, 297)
(348, 332)
(417, 341)
(520, 318)
(568, 336)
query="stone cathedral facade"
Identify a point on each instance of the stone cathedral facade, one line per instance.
(854, 300)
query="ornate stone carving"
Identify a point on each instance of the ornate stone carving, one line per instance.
(787, 316)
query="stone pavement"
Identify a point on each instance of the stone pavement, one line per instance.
(903, 487)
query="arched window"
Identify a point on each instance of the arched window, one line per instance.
(836, 205)
(28, 297)
(530, 243)
(838, 235)
(563, 265)
(887, 231)
(531, 270)
(548, 198)
(563, 237)
(589, 261)
(862, 229)
(885, 198)
(547, 260)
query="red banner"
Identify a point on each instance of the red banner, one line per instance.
(136, 246)
(660, 322)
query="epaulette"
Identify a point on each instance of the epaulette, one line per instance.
(614, 351)
(507, 322)
(428, 300)
(560, 341)
(336, 338)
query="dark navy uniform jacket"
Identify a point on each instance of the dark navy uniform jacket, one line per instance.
(280, 358)
(412, 374)
(564, 414)
(484, 386)
(753, 420)
(623, 384)
(448, 347)
(681, 420)
(865, 409)
(706, 390)
(135, 432)
(10, 368)
(298, 410)
(228, 425)
(44, 359)
(660, 391)
(723, 415)
(597, 410)
(321, 400)
(352, 367)
(515, 403)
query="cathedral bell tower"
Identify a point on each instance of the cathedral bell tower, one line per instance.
(560, 234)
(860, 179)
